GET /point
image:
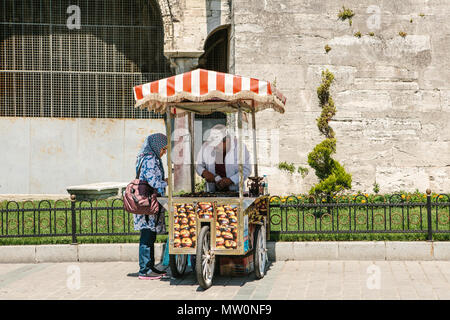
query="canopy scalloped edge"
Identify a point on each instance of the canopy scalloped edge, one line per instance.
(158, 103)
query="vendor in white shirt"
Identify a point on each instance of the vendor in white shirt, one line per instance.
(217, 161)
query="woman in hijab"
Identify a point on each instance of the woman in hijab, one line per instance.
(149, 162)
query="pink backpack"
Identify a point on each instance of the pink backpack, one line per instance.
(140, 198)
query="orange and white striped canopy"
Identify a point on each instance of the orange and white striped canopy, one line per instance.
(216, 91)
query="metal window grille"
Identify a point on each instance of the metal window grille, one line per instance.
(48, 70)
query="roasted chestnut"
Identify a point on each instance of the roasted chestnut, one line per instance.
(228, 243)
(186, 242)
(220, 241)
(227, 235)
(184, 226)
(222, 216)
(185, 233)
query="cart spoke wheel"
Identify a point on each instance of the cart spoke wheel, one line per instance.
(260, 256)
(205, 261)
(177, 264)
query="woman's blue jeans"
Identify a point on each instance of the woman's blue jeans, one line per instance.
(146, 251)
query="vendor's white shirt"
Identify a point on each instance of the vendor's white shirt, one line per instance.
(206, 160)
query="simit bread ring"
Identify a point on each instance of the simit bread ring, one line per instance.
(177, 242)
(218, 233)
(176, 234)
(192, 231)
(184, 220)
(176, 227)
(192, 223)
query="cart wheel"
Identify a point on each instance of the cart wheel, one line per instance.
(204, 264)
(260, 255)
(177, 263)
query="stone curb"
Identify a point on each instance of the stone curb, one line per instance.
(277, 251)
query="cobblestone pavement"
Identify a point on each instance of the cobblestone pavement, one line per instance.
(284, 280)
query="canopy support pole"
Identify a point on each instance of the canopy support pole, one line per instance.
(169, 167)
(191, 118)
(255, 153)
(241, 153)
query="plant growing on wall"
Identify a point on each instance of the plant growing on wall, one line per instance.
(333, 177)
(345, 14)
(289, 167)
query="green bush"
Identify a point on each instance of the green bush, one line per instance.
(333, 177)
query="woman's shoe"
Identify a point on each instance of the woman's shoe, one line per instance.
(150, 276)
(155, 270)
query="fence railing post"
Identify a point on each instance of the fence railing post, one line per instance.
(74, 219)
(430, 226)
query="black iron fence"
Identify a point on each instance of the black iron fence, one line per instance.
(290, 215)
(360, 213)
(65, 218)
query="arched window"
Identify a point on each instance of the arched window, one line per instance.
(215, 58)
(49, 70)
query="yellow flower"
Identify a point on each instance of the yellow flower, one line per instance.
(363, 201)
(403, 196)
(323, 200)
(366, 194)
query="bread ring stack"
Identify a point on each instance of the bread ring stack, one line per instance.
(184, 227)
(226, 227)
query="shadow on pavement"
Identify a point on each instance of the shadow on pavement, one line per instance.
(189, 278)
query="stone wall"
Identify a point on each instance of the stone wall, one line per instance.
(392, 93)
(44, 155)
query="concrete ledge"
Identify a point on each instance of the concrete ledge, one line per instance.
(277, 251)
(99, 252)
(56, 253)
(370, 250)
(17, 254)
(315, 250)
(416, 250)
(441, 251)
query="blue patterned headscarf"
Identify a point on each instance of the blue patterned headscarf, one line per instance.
(152, 146)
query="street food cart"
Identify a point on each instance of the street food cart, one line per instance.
(204, 224)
